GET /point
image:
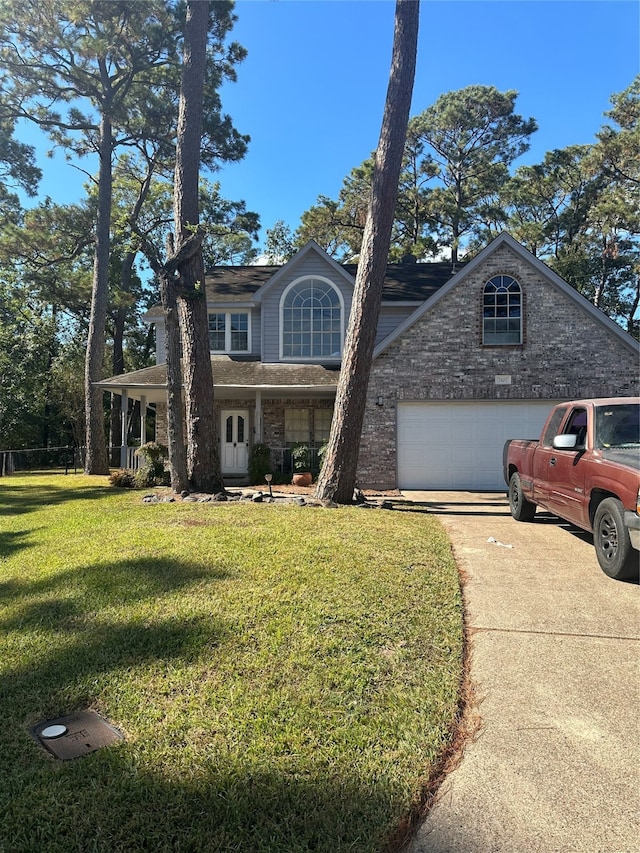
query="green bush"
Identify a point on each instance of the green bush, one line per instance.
(145, 477)
(259, 463)
(153, 453)
(123, 478)
(152, 473)
(317, 466)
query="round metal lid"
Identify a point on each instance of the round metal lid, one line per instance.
(54, 731)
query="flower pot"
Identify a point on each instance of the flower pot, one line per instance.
(304, 478)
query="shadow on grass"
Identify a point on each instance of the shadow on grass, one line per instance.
(70, 637)
(18, 499)
(120, 798)
(13, 541)
(110, 802)
(91, 587)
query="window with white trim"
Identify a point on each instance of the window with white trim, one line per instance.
(502, 311)
(229, 331)
(311, 313)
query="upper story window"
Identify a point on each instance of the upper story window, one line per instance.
(502, 311)
(229, 332)
(311, 313)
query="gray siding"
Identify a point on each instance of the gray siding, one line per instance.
(254, 315)
(311, 265)
(161, 355)
(255, 332)
(391, 316)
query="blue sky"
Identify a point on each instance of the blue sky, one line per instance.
(311, 91)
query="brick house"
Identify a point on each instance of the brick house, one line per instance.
(464, 359)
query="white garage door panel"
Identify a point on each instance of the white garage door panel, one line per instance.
(459, 445)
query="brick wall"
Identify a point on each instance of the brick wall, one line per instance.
(272, 416)
(566, 354)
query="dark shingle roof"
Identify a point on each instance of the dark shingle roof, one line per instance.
(411, 281)
(232, 373)
(230, 283)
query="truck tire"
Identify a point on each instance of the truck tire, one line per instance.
(521, 508)
(617, 558)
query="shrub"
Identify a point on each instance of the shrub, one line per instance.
(153, 453)
(259, 463)
(123, 478)
(152, 472)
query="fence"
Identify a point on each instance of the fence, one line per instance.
(66, 459)
(40, 459)
(60, 459)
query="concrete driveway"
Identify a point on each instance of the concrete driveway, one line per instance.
(555, 661)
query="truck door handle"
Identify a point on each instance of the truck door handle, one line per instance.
(553, 460)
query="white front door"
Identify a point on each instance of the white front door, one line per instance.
(234, 437)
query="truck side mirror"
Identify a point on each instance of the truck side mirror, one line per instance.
(565, 442)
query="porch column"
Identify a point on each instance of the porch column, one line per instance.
(258, 416)
(143, 419)
(124, 410)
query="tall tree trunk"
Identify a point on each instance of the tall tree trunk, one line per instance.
(96, 461)
(166, 274)
(117, 361)
(203, 458)
(338, 476)
(175, 431)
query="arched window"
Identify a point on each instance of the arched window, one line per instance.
(502, 311)
(311, 320)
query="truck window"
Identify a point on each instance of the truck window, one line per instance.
(577, 425)
(553, 426)
(618, 425)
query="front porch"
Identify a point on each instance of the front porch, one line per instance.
(280, 405)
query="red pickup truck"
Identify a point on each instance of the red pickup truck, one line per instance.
(585, 469)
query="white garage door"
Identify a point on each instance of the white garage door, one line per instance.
(459, 445)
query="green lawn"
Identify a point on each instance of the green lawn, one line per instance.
(286, 677)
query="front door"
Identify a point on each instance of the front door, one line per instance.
(235, 441)
(563, 473)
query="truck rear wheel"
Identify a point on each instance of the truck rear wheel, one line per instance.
(521, 508)
(611, 540)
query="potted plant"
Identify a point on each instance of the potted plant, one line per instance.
(301, 458)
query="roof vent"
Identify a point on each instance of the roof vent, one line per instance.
(409, 259)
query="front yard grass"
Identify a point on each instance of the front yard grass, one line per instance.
(286, 678)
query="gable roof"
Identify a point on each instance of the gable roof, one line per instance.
(403, 282)
(310, 248)
(553, 278)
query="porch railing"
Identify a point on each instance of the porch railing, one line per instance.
(281, 458)
(66, 459)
